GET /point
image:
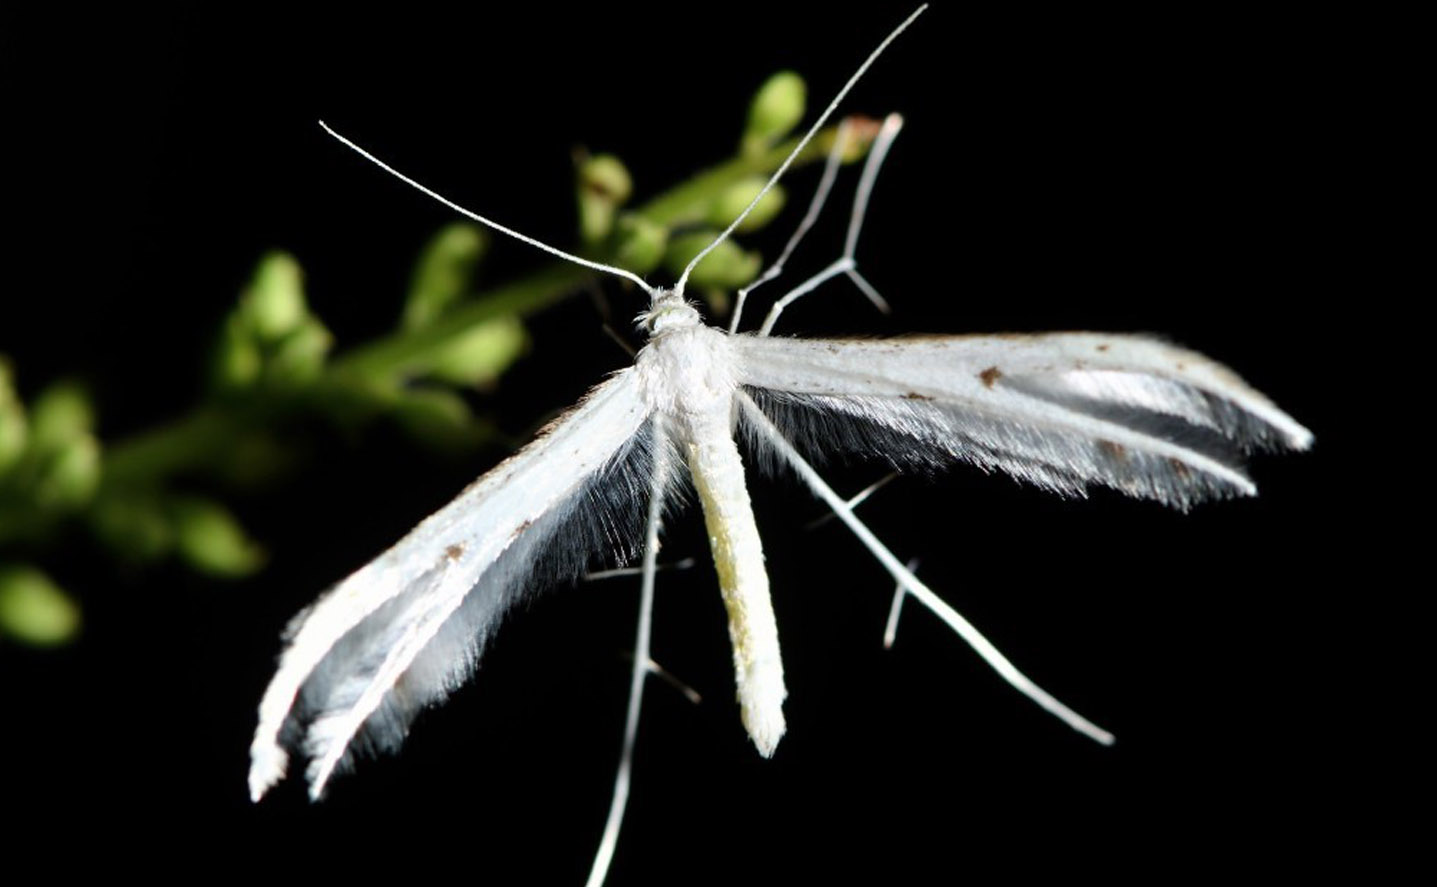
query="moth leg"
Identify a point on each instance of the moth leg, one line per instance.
(642, 666)
(856, 501)
(847, 264)
(655, 668)
(965, 629)
(815, 206)
(672, 680)
(890, 631)
(618, 572)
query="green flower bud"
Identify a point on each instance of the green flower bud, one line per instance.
(444, 272)
(212, 541)
(736, 199)
(7, 382)
(603, 186)
(34, 609)
(60, 415)
(606, 175)
(639, 244)
(596, 218)
(135, 527)
(273, 303)
(478, 356)
(727, 267)
(299, 357)
(13, 435)
(439, 418)
(237, 361)
(776, 109)
(14, 429)
(70, 476)
(859, 135)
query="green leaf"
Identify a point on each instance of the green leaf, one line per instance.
(34, 609)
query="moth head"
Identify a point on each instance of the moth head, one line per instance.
(668, 311)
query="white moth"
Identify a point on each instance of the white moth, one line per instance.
(1061, 410)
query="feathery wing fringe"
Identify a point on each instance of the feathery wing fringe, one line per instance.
(1060, 410)
(404, 631)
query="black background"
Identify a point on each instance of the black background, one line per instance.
(1170, 174)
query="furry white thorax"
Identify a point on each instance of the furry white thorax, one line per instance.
(688, 368)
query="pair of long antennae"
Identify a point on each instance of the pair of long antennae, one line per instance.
(621, 272)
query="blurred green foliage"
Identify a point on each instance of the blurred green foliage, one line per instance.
(34, 610)
(272, 364)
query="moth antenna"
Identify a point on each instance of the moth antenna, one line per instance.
(803, 143)
(489, 223)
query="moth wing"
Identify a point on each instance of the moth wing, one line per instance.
(409, 627)
(1061, 410)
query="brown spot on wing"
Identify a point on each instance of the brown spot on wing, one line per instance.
(914, 395)
(989, 376)
(520, 529)
(1117, 451)
(1102, 347)
(453, 552)
(1180, 468)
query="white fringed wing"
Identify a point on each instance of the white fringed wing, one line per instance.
(409, 627)
(1060, 410)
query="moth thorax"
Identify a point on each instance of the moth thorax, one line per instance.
(668, 311)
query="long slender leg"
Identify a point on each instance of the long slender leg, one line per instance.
(669, 678)
(641, 669)
(807, 137)
(815, 206)
(856, 501)
(618, 572)
(617, 339)
(965, 629)
(890, 631)
(847, 264)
